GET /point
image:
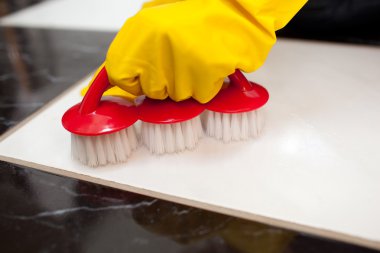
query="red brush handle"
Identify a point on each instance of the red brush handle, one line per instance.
(92, 98)
(94, 117)
(101, 83)
(239, 80)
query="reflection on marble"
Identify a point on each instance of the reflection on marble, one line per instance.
(38, 64)
(41, 212)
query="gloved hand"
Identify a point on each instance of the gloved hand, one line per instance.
(187, 48)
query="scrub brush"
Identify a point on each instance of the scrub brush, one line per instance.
(101, 129)
(169, 126)
(233, 114)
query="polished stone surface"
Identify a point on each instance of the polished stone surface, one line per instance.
(40, 212)
(36, 65)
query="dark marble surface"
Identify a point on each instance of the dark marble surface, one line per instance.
(36, 65)
(40, 212)
(348, 21)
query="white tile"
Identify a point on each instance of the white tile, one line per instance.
(316, 164)
(98, 15)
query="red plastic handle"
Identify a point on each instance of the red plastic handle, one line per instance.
(92, 98)
(239, 80)
(101, 83)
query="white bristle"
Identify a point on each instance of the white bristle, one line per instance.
(189, 135)
(197, 126)
(100, 151)
(158, 145)
(234, 126)
(110, 153)
(179, 139)
(150, 144)
(244, 126)
(133, 140)
(218, 126)
(226, 125)
(103, 149)
(82, 154)
(92, 160)
(169, 138)
(120, 152)
(127, 142)
(144, 133)
(74, 149)
(210, 123)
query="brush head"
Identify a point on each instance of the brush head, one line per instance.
(109, 117)
(168, 111)
(235, 100)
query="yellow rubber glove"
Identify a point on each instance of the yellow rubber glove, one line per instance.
(187, 48)
(159, 2)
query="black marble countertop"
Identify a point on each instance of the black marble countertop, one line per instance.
(41, 212)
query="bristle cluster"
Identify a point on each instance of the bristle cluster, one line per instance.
(104, 149)
(233, 126)
(165, 138)
(169, 138)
